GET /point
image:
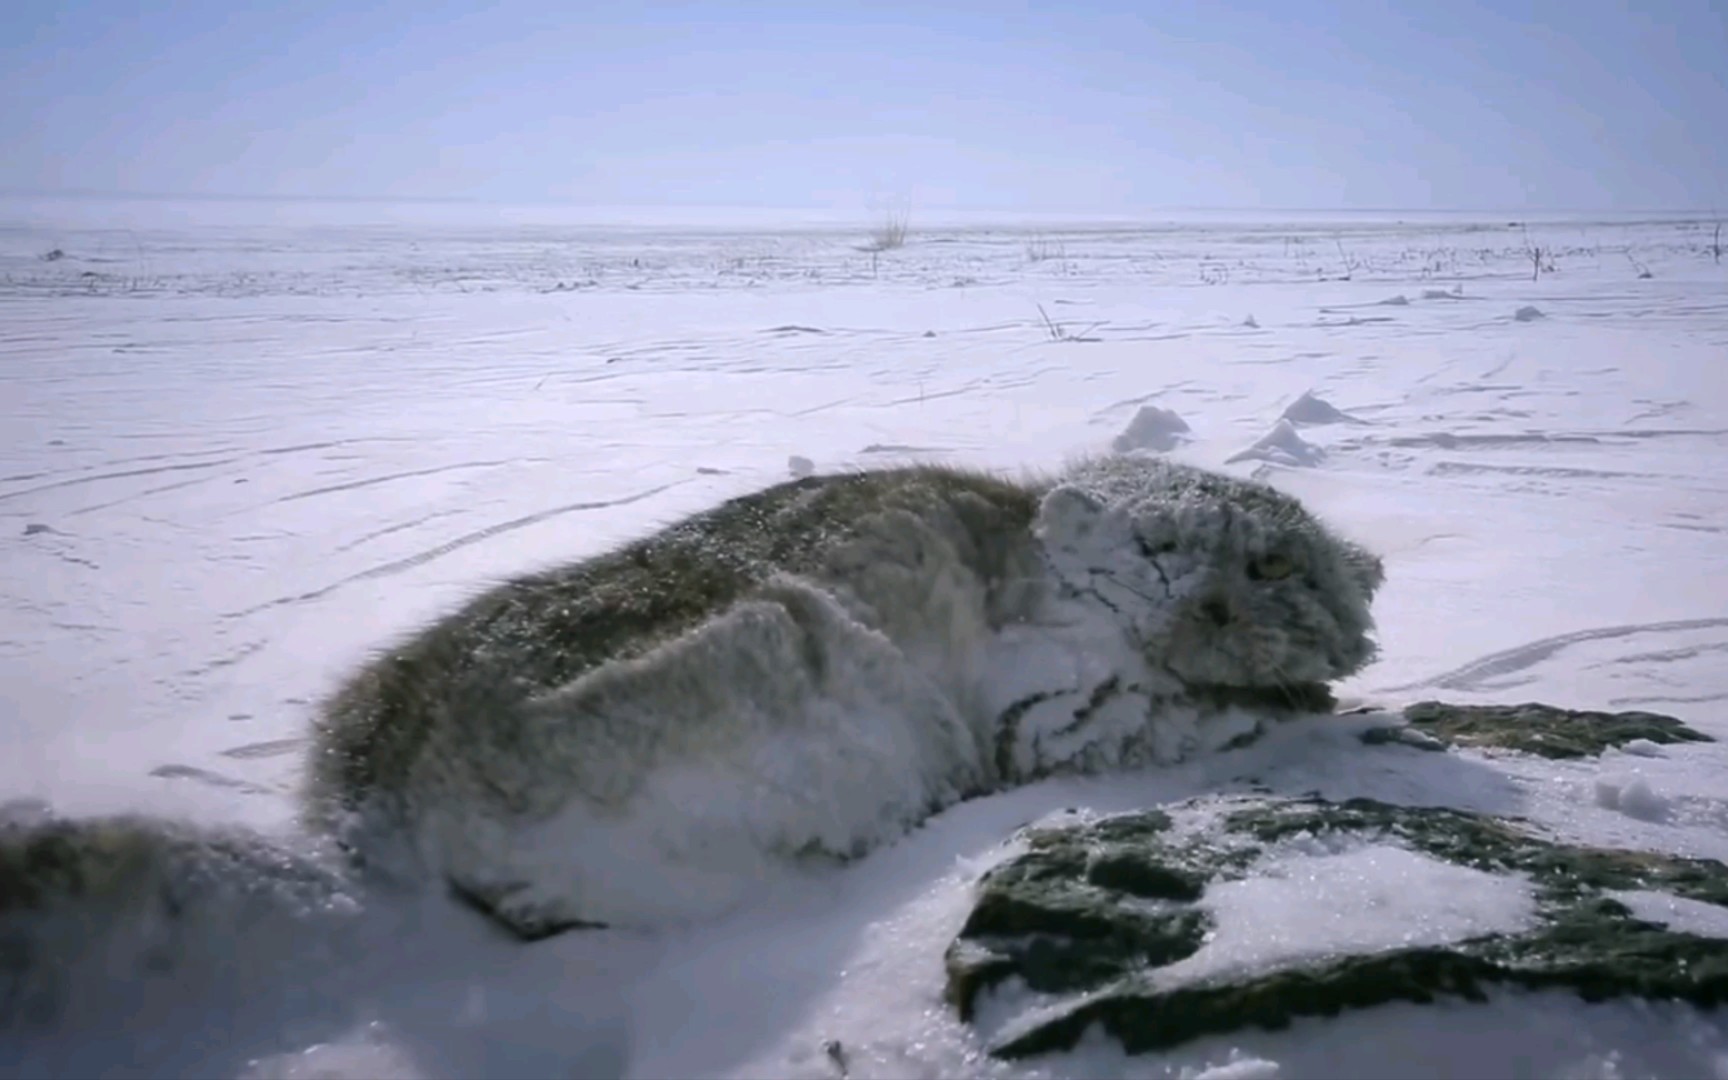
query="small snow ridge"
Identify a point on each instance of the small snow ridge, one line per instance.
(1443, 294)
(800, 466)
(1396, 301)
(1152, 429)
(1528, 313)
(901, 448)
(1314, 905)
(1251, 322)
(208, 778)
(1281, 446)
(1309, 409)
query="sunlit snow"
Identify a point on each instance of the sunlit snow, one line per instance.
(237, 456)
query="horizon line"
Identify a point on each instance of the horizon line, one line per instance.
(466, 200)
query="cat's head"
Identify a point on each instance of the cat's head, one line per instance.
(1225, 583)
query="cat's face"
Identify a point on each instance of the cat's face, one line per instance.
(1224, 583)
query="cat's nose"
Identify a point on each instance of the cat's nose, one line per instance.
(1216, 609)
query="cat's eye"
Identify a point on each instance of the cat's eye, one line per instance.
(1150, 550)
(1272, 567)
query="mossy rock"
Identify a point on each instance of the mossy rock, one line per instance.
(1531, 728)
(1081, 908)
(1091, 913)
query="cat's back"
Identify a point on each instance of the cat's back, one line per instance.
(543, 630)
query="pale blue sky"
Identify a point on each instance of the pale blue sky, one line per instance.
(1091, 107)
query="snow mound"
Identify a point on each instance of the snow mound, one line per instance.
(1312, 410)
(1644, 748)
(1281, 446)
(800, 466)
(1152, 429)
(1528, 313)
(1635, 798)
(1675, 912)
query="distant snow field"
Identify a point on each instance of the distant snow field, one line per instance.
(237, 457)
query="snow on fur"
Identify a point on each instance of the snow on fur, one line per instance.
(914, 642)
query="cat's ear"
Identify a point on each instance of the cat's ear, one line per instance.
(1068, 517)
(1366, 569)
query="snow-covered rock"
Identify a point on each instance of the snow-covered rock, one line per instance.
(1311, 410)
(1152, 429)
(1281, 446)
(1219, 915)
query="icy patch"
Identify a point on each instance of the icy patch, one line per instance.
(1152, 429)
(1309, 409)
(1281, 446)
(1635, 798)
(1676, 912)
(1528, 313)
(1320, 905)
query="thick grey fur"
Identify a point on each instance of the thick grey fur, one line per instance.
(574, 688)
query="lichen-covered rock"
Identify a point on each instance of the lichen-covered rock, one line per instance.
(1097, 918)
(1078, 910)
(1530, 728)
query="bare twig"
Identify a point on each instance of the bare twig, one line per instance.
(891, 233)
(1054, 330)
(1351, 265)
(1541, 258)
(1059, 332)
(1040, 247)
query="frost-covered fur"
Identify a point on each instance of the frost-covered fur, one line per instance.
(98, 916)
(812, 669)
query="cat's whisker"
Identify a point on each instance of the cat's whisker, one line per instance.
(1131, 590)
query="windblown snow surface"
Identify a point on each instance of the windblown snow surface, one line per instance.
(237, 456)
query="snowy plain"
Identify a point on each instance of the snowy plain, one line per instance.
(242, 445)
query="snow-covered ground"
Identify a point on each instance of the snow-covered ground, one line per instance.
(234, 457)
